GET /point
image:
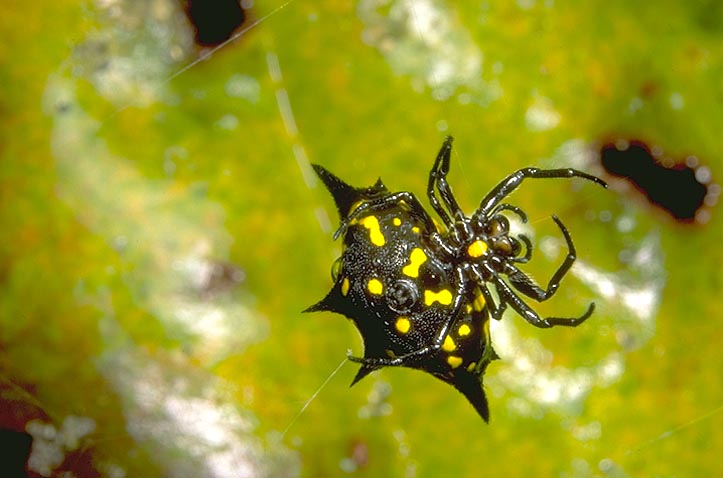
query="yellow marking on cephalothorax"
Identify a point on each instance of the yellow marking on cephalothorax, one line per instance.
(403, 325)
(416, 259)
(477, 249)
(375, 286)
(454, 361)
(471, 366)
(444, 297)
(449, 345)
(375, 232)
(464, 330)
(345, 286)
(415, 230)
(479, 303)
(397, 222)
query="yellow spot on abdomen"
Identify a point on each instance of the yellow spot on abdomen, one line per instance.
(471, 366)
(444, 297)
(449, 345)
(375, 286)
(397, 222)
(464, 330)
(416, 259)
(375, 232)
(415, 230)
(345, 286)
(454, 361)
(477, 249)
(402, 325)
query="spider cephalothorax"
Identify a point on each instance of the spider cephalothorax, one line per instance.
(418, 291)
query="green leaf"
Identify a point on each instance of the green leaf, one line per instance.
(161, 230)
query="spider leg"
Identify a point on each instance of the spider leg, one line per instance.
(528, 250)
(513, 181)
(438, 180)
(495, 310)
(527, 286)
(435, 346)
(509, 207)
(387, 202)
(527, 313)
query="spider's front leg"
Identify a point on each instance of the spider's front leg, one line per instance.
(514, 180)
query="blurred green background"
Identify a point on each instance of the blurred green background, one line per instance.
(160, 233)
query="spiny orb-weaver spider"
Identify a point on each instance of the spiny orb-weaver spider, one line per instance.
(419, 291)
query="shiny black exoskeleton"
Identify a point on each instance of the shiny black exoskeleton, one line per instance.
(419, 291)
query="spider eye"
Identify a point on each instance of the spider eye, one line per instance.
(402, 296)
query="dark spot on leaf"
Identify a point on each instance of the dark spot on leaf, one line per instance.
(214, 20)
(683, 188)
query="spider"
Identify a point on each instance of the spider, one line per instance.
(418, 291)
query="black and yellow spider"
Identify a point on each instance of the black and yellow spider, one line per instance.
(419, 291)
